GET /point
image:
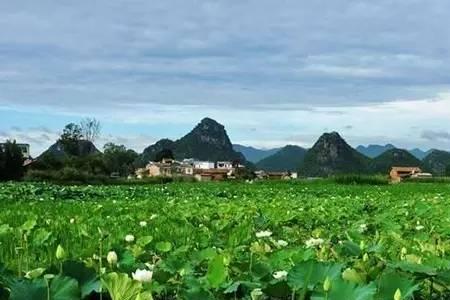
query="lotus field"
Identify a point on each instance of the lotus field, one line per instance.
(268, 240)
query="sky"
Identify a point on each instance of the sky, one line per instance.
(272, 72)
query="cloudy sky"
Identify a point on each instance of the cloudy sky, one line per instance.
(273, 72)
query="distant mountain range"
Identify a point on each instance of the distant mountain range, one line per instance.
(253, 154)
(373, 151)
(330, 155)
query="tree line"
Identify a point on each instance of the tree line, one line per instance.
(73, 157)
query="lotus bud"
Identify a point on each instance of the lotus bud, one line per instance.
(362, 245)
(112, 257)
(327, 284)
(60, 253)
(398, 295)
(366, 257)
(404, 251)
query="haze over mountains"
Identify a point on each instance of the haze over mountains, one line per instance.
(330, 155)
(253, 154)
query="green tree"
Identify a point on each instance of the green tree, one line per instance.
(2, 164)
(119, 159)
(11, 162)
(70, 139)
(165, 153)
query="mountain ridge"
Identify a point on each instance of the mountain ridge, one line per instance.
(437, 162)
(287, 158)
(394, 157)
(208, 140)
(331, 155)
(374, 150)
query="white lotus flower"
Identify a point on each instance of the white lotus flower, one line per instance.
(142, 223)
(282, 243)
(142, 275)
(362, 228)
(257, 294)
(280, 275)
(312, 242)
(72, 221)
(420, 227)
(129, 238)
(111, 257)
(263, 234)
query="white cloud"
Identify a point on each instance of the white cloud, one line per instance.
(289, 68)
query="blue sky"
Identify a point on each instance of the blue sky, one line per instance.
(273, 72)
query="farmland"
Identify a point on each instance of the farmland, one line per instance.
(268, 240)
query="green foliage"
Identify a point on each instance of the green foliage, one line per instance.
(70, 138)
(86, 277)
(121, 287)
(54, 288)
(217, 272)
(117, 158)
(11, 162)
(361, 179)
(344, 290)
(164, 154)
(266, 240)
(391, 281)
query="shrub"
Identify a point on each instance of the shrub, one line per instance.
(360, 179)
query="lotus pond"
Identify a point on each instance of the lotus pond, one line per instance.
(268, 240)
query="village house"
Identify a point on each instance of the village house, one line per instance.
(276, 175)
(166, 168)
(228, 165)
(212, 174)
(397, 174)
(204, 165)
(25, 148)
(422, 175)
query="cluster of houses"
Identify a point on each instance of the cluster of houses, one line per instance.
(203, 170)
(221, 170)
(200, 170)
